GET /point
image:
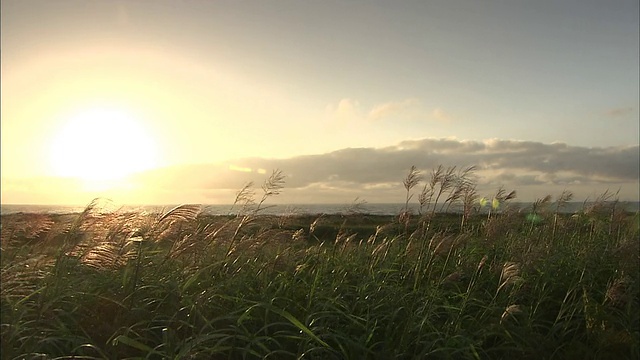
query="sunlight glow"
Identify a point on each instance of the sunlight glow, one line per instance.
(101, 145)
(240, 168)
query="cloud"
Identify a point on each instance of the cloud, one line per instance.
(441, 115)
(392, 108)
(533, 169)
(348, 109)
(617, 112)
(375, 174)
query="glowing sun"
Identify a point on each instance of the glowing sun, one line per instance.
(102, 144)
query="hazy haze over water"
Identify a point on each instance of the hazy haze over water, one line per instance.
(294, 209)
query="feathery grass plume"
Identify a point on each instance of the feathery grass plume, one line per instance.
(357, 207)
(21, 278)
(383, 245)
(561, 202)
(618, 293)
(600, 205)
(380, 229)
(23, 226)
(185, 212)
(19, 232)
(541, 205)
(461, 182)
(476, 275)
(510, 275)
(80, 237)
(454, 277)
(355, 297)
(538, 208)
(109, 255)
(341, 236)
(298, 235)
(59, 229)
(425, 196)
(215, 231)
(274, 183)
(497, 201)
(600, 212)
(563, 199)
(447, 243)
(271, 187)
(428, 190)
(507, 197)
(90, 219)
(314, 224)
(403, 219)
(444, 248)
(166, 226)
(469, 197)
(501, 197)
(413, 178)
(342, 241)
(245, 197)
(510, 313)
(287, 216)
(111, 247)
(185, 243)
(615, 216)
(482, 262)
(442, 244)
(454, 196)
(169, 225)
(446, 179)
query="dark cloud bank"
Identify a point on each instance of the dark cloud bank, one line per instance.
(376, 174)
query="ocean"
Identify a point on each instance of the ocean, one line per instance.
(288, 209)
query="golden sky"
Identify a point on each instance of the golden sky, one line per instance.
(115, 97)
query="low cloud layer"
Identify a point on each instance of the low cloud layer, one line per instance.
(375, 174)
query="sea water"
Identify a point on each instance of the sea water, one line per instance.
(301, 209)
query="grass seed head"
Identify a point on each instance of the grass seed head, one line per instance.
(617, 293)
(510, 312)
(453, 277)
(298, 235)
(482, 262)
(412, 179)
(510, 274)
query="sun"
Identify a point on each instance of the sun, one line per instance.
(102, 144)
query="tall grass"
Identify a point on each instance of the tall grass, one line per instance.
(509, 283)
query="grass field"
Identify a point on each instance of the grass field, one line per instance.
(503, 284)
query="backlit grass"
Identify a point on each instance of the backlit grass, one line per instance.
(502, 284)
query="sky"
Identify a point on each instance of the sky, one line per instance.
(164, 102)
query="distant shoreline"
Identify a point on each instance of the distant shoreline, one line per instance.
(299, 209)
